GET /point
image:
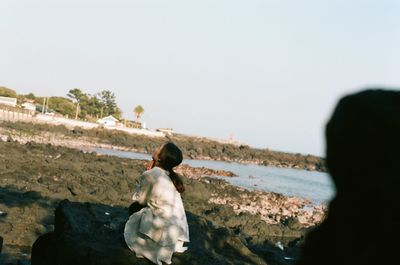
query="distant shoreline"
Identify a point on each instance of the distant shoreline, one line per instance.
(200, 148)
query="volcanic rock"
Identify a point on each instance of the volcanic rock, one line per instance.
(88, 234)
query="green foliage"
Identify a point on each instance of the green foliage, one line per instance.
(109, 105)
(95, 106)
(30, 96)
(23, 98)
(76, 94)
(7, 92)
(90, 107)
(62, 105)
(138, 111)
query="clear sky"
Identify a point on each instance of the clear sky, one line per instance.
(268, 72)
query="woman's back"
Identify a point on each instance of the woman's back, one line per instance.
(160, 228)
(164, 200)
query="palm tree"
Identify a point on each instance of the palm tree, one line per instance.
(138, 111)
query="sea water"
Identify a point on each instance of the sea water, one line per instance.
(312, 185)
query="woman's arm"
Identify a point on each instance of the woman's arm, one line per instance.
(141, 194)
(142, 190)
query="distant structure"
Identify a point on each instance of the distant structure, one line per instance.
(8, 101)
(108, 121)
(167, 131)
(29, 106)
(132, 124)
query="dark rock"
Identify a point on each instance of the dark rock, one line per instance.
(77, 176)
(93, 234)
(276, 256)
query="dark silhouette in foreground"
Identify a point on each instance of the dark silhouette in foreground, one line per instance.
(363, 157)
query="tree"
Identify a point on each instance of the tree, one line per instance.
(109, 105)
(76, 94)
(138, 111)
(95, 106)
(30, 96)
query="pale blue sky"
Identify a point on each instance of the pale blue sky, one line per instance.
(269, 72)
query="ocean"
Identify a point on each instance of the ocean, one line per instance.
(314, 186)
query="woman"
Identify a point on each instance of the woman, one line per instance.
(159, 227)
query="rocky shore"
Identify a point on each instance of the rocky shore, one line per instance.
(88, 233)
(199, 172)
(35, 178)
(193, 147)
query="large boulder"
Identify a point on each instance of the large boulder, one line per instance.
(87, 233)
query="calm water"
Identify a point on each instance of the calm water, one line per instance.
(315, 186)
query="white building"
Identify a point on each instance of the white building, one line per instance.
(108, 121)
(167, 131)
(29, 106)
(8, 101)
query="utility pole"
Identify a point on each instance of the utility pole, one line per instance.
(47, 104)
(77, 110)
(43, 105)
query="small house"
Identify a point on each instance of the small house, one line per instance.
(29, 106)
(108, 121)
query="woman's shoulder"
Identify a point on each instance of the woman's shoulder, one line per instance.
(155, 172)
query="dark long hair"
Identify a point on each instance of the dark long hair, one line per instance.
(169, 157)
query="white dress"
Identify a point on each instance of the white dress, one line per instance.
(159, 229)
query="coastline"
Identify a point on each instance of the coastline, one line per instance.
(193, 147)
(36, 177)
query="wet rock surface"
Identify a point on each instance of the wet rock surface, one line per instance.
(35, 178)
